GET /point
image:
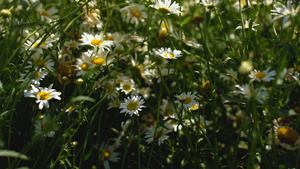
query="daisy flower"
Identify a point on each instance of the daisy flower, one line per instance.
(107, 153)
(263, 76)
(42, 95)
(285, 12)
(35, 43)
(186, 99)
(132, 105)
(135, 14)
(40, 62)
(34, 77)
(210, 4)
(166, 7)
(71, 44)
(95, 41)
(47, 14)
(169, 53)
(247, 25)
(160, 134)
(92, 16)
(127, 86)
(248, 92)
(285, 136)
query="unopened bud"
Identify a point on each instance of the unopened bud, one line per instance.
(5, 13)
(79, 81)
(245, 68)
(119, 48)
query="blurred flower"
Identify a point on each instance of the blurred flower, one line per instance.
(263, 76)
(42, 95)
(106, 154)
(132, 105)
(210, 4)
(245, 68)
(47, 14)
(135, 14)
(33, 77)
(43, 123)
(247, 25)
(285, 12)
(127, 86)
(248, 93)
(160, 134)
(285, 136)
(71, 44)
(166, 7)
(92, 16)
(186, 99)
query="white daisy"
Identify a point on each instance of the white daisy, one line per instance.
(263, 76)
(132, 105)
(210, 4)
(247, 25)
(39, 62)
(106, 154)
(35, 43)
(166, 7)
(34, 77)
(71, 44)
(285, 12)
(42, 95)
(160, 134)
(47, 14)
(96, 41)
(127, 86)
(135, 14)
(186, 99)
(285, 136)
(169, 53)
(248, 92)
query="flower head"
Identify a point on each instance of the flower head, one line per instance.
(135, 14)
(168, 53)
(186, 99)
(263, 76)
(132, 105)
(285, 12)
(160, 134)
(247, 25)
(42, 95)
(166, 7)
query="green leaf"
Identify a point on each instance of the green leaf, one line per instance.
(80, 98)
(10, 153)
(286, 113)
(186, 20)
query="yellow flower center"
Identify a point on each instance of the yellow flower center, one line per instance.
(159, 133)
(260, 75)
(71, 108)
(109, 37)
(106, 155)
(244, 3)
(187, 100)
(163, 35)
(194, 107)
(108, 87)
(98, 61)
(169, 113)
(132, 105)
(96, 42)
(72, 44)
(287, 135)
(65, 69)
(38, 45)
(85, 67)
(39, 62)
(165, 25)
(171, 55)
(45, 13)
(126, 87)
(173, 122)
(164, 10)
(43, 95)
(135, 13)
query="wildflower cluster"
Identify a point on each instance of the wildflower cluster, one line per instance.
(152, 83)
